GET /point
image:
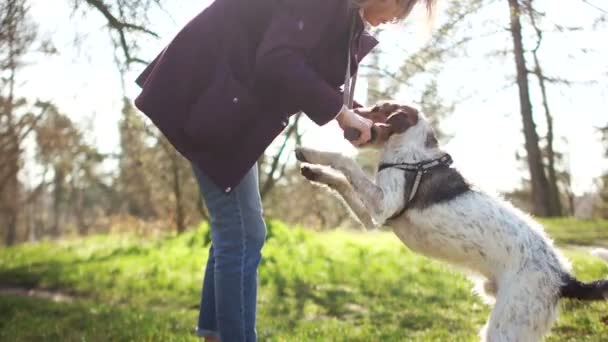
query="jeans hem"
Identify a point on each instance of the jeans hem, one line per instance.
(206, 333)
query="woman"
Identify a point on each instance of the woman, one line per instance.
(224, 88)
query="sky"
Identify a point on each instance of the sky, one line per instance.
(485, 128)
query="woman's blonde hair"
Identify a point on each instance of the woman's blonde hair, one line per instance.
(406, 6)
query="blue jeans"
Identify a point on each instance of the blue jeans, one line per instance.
(238, 232)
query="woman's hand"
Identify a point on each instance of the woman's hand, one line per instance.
(348, 118)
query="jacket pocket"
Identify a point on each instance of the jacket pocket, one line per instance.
(221, 112)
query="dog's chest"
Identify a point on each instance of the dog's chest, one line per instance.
(438, 239)
(415, 237)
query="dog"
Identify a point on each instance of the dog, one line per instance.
(601, 253)
(435, 211)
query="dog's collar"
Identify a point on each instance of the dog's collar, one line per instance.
(420, 168)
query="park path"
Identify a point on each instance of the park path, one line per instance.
(55, 296)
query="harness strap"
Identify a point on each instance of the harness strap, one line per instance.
(446, 160)
(420, 169)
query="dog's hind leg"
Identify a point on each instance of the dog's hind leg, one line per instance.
(524, 312)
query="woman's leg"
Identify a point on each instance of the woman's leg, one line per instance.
(237, 234)
(207, 322)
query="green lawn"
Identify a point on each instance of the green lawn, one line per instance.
(335, 286)
(578, 232)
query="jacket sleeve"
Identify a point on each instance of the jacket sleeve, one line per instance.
(295, 28)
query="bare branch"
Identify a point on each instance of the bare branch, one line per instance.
(122, 27)
(270, 178)
(32, 125)
(595, 6)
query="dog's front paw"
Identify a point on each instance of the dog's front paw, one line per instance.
(312, 156)
(310, 173)
(300, 154)
(308, 155)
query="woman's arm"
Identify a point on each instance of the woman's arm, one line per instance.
(295, 28)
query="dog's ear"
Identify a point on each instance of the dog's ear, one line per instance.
(387, 108)
(373, 114)
(403, 119)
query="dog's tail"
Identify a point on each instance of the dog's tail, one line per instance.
(575, 289)
(595, 290)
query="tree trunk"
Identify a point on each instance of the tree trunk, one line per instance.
(9, 191)
(80, 211)
(554, 194)
(555, 207)
(10, 211)
(58, 198)
(540, 186)
(32, 221)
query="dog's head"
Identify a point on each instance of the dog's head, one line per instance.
(392, 119)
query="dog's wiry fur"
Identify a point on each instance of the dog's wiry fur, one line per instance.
(520, 270)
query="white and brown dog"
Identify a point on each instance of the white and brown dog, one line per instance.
(436, 212)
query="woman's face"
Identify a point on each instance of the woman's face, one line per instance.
(382, 11)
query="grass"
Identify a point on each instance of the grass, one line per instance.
(578, 232)
(334, 286)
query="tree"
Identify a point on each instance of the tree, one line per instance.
(127, 22)
(133, 181)
(420, 69)
(175, 190)
(556, 171)
(17, 35)
(604, 178)
(154, 182)
(541, 198)
(553, 191)
(73, 163)
(271, 172)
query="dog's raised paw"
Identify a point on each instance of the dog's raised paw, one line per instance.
(309, 173)
(300, 155)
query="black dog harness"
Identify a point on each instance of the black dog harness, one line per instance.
(420, 169)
